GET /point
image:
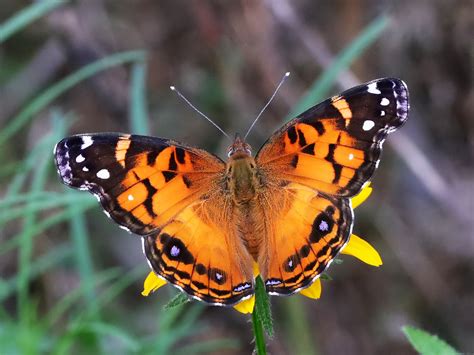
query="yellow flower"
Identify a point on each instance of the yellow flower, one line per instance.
(152, 283)
(356, 247)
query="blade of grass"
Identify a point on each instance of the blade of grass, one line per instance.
(72, 297)
(103, 329)
(35, 206)
(26, 240)
(138, 104)
(48, 223)
(28, 197)
(323, 84)
(27, 165)
(50, 94)
(26, 16)
(118, 286)
(9, 169)
(80, 239)
(37, 267)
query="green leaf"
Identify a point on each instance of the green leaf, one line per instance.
(325, 277)
(262, 307)
(178, 300)
(426, 343)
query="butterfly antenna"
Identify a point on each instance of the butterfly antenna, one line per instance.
(287, 74)
(195, 109)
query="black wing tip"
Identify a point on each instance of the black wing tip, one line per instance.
(392, 88)
(61, 159)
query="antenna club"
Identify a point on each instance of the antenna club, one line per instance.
(287, 74)
(172, 88)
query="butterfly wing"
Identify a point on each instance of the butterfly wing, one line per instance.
(169, 193)
(322, 158)
(305, 236)
(334, 147)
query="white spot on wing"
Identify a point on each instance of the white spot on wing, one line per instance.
(80, 158)
(351, 156)
(130, 197)
(372, 88)
(103, 174)
(368, 125)
(382, 113)
(324, 226)
(86, 142)
(174, 251)
(384, 102)
(85, 169)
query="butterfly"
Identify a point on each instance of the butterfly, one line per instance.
(204, 222)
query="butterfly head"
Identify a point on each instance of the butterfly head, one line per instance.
(239, 148)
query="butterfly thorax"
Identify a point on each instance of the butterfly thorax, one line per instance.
(243, 186)
(241, 172)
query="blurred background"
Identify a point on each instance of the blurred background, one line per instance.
(71, 279)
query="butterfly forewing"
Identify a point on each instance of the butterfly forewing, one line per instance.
(335, 146)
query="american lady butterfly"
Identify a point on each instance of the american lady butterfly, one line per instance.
(205, 222)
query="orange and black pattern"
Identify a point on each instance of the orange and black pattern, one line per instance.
(204, 222)
(140, 181)
(335, 146)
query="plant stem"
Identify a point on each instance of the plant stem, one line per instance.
(260, 345)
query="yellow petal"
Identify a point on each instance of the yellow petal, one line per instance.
(152, 283)
(313, 291)
(361, 196)
(362, 250)
(256, 270)
(246, 306)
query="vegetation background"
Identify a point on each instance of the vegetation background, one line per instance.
(71, 279)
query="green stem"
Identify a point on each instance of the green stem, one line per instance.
(260, 346)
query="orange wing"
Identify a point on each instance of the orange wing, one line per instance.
(306, 235)
(321, 158)
(334, 147)
(169, 193)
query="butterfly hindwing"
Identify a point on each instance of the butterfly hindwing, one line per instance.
(334, 147)
(307, 233)
(201, 256)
